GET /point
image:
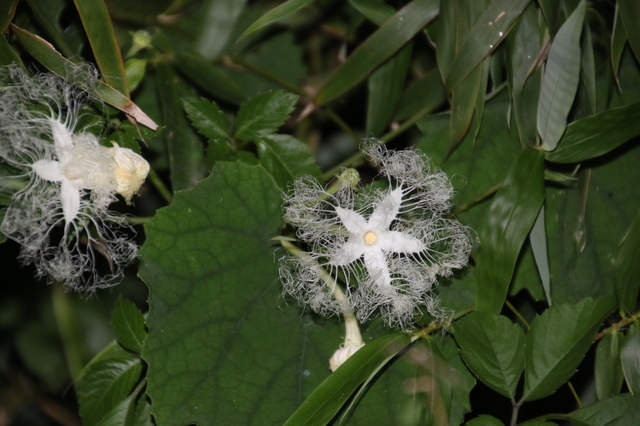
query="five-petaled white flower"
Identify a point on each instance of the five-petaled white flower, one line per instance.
(387, 245)
(61, 217)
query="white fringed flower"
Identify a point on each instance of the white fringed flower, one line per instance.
(388, 246)
(61, 217)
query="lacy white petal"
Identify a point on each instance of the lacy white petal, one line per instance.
(353, 221)
(376, 264)
(349, 252)
(48, 170)
(70, 195)
(387, 210)
(62, 139)
(399, 242)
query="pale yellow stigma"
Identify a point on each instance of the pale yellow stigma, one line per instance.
(370, 238)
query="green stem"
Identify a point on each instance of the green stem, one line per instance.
(517, 314)
(66, 322)
(489, 192)
(138, 220)
(162, 189)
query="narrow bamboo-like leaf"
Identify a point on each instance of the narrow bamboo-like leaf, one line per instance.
(104, 386)
(385, 89)
(264, 114)
(630, 14)
(463, 104)
(328, 398)
(97, 25)
(484, 37)
(538, 238)
(596, 135)
(186, 153)
(285, 9)
(51, 59)
(618, 42)
(379, 47)
(630, 358)
(627, 277)
(588, 66)
(617, 411)
(219, 17)
(7, 10)
(208, 77)
(557, 341)
(127, 323)
(511, 216)
(551, 11)
(560, 80)
(49, 23)
(375, 11)
(493, 348)
(207, 117)
(286, 158)
(608, 369)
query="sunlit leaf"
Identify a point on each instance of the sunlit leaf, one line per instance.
(285, 9)
(97, 24)
(376, 49)
(560, 80)
(557, 341)
(511, 216)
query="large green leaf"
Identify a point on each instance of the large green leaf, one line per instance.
(186, 153)
(376, 11)
(285, 9)
(50, 58)
(493, 348)
(560, 80)
(218, 20)
(104, 386)
(557, 341)
(97, 25)
(49, 21)
(380, 46)
(286, 158)
(489, 30)
(264, 114)
(214, 311)
(596, 135)
(627, 276)
(608, 369)
(630, 358)
(511, 216)
(618, 42)
(7, 10)
(465, 100)
(618, 411)
(329, 397)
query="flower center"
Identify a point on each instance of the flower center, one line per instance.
(370, 238)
